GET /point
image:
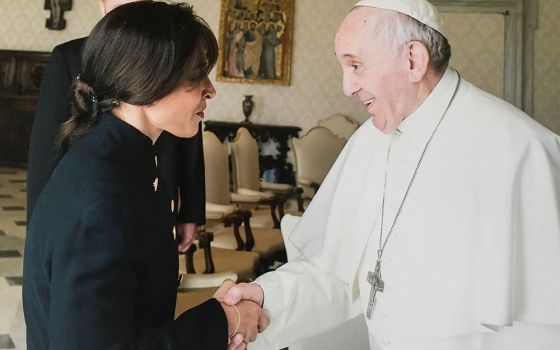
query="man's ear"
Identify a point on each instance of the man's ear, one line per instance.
(102, 7)
(418, 60)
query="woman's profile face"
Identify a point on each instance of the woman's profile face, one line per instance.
(180, 112)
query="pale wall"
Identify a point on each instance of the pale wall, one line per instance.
(315, 91)
(547, 65)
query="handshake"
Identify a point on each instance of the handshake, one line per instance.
(242, 304)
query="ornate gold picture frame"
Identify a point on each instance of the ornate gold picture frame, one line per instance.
(256, 41)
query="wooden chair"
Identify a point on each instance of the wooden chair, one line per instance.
(315, 153)
(204, 266)
(203, 271)
(245, 163)
(340, 125)
(224, 206)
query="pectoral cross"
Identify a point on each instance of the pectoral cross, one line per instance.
(377, 285)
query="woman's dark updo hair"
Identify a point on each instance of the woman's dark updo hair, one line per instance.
(138, 53)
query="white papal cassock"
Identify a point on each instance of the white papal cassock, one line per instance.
(474, 259)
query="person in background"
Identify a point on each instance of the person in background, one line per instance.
(100, 262)
(181, 159)
(440, 220)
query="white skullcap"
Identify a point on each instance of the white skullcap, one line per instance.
(420, 10)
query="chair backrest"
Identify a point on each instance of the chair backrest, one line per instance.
(316, 152)
(245, 161)
(216, 169)
(340, 125)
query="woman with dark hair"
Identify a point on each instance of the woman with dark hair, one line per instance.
(100, 267)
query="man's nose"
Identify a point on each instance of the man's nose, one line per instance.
(349, 86)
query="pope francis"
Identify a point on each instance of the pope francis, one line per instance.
(440, 220)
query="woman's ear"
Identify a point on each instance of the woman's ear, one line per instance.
(418, 59)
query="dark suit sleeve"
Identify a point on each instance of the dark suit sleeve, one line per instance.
(95, 283)
(191, 179)
(52, 110)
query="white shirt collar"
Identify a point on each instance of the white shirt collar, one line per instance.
(426, 116)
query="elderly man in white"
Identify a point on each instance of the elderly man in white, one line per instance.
(440, 221)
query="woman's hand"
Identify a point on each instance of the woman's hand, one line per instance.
(245, 319)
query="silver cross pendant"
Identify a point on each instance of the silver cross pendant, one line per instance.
(377, 285)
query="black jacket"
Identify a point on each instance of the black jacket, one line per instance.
(181, 160)
(100, 263)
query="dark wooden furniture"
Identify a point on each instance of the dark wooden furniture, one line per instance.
(20, 79)
(280, 134)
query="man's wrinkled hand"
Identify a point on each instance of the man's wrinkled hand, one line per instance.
(186, 234)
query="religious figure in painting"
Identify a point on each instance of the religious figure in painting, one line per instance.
(267, 68)
(254, 39)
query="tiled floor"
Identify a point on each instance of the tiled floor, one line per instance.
(12, 236)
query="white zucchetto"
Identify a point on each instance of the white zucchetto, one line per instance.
(420, 10)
